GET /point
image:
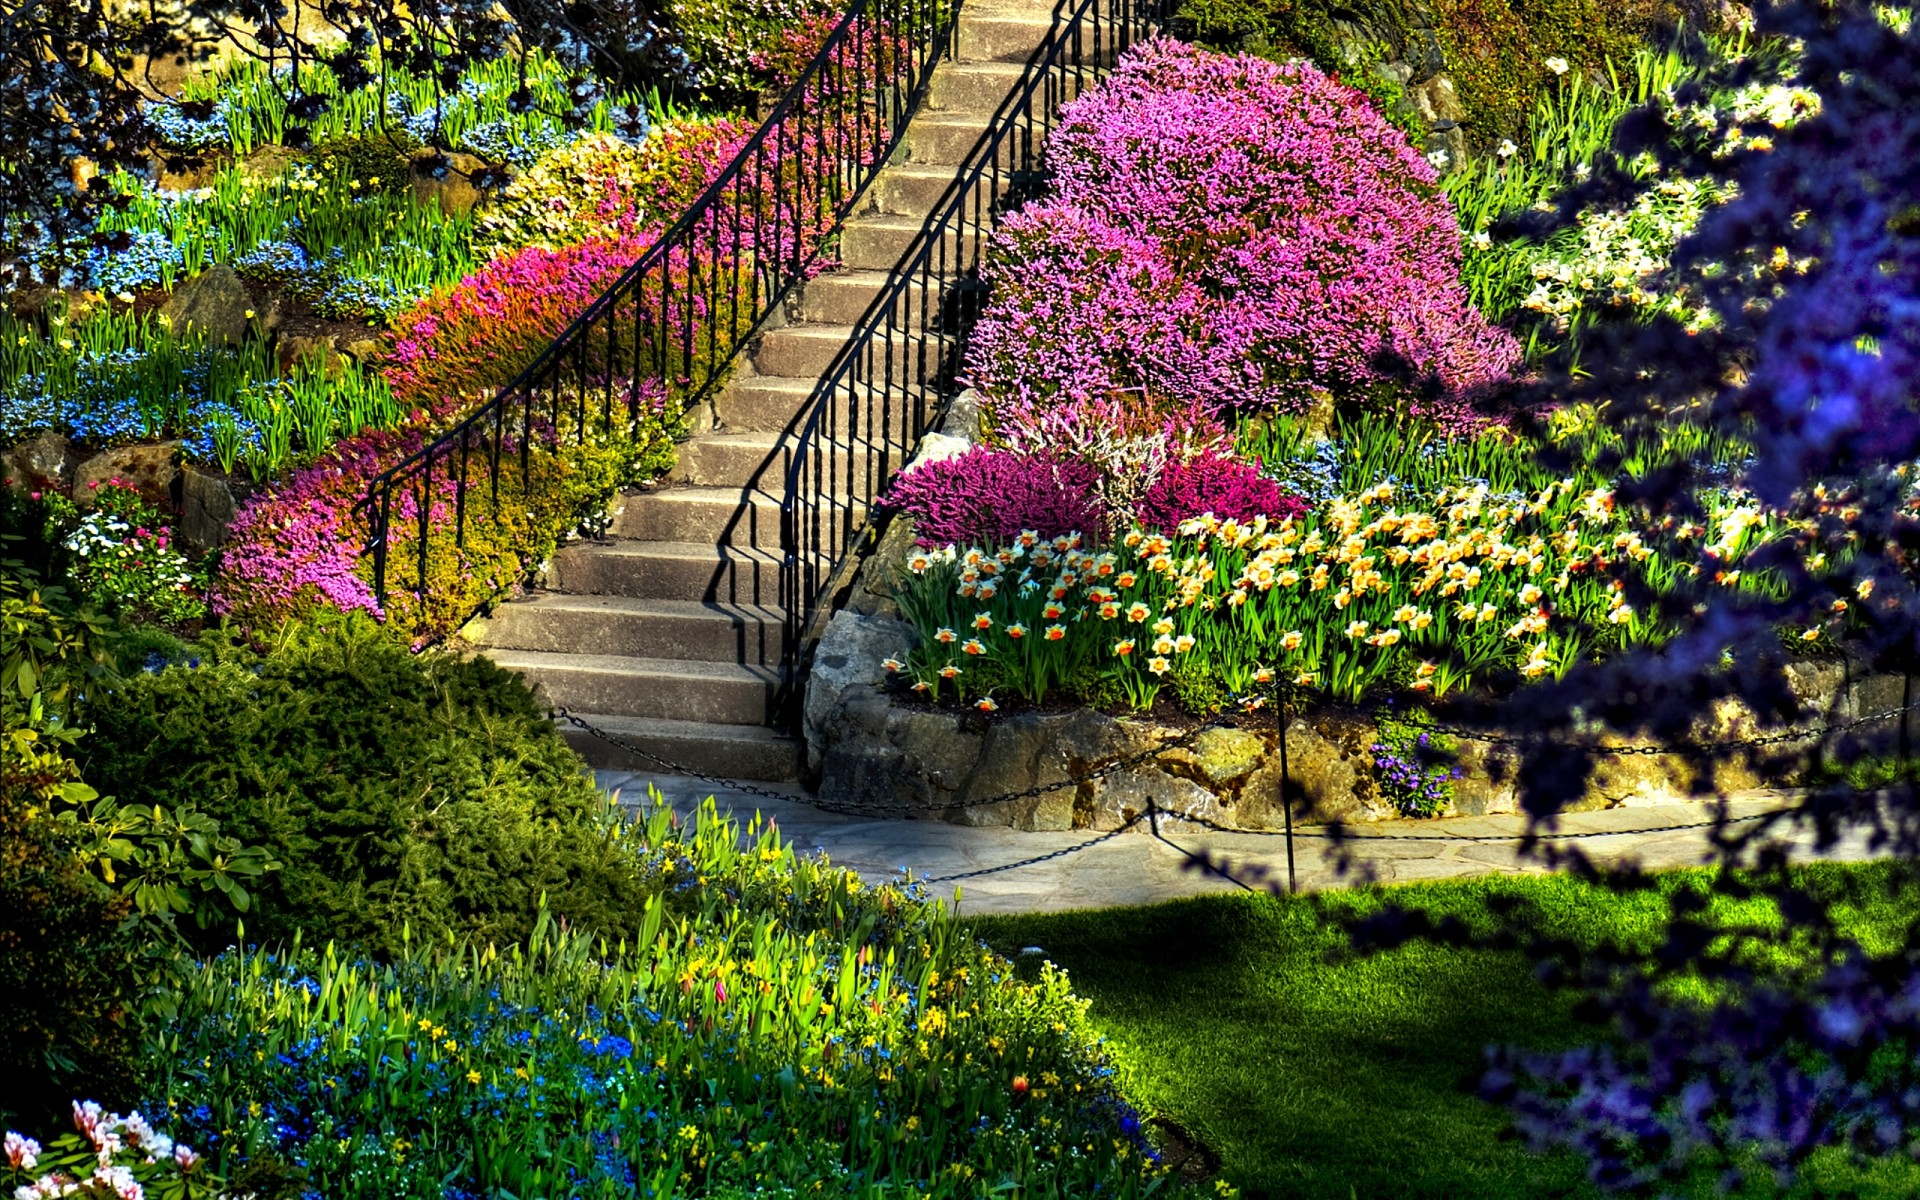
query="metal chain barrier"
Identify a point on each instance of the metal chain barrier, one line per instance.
(1154, 811)
(1040, 858)
(879, 809)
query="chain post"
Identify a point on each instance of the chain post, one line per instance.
(1286, 796)
(1907, 715)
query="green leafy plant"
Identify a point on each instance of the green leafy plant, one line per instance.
(398, 791)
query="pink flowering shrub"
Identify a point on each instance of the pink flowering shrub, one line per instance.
(483, 331)
(987, 496)
(1233, 231)
(1213, 483)
(297, 550)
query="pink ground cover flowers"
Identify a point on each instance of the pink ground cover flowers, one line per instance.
(1238, 232)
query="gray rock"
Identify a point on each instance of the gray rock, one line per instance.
(292, 351)
(845, 664)
(962, 419)
(150, 468)
(881, 573)
(452, 188)
(44, 462)
(214, 303)
(206, 509)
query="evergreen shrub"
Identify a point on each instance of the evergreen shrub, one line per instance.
(402, 793)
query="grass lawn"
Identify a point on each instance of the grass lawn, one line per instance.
(1313, 1072)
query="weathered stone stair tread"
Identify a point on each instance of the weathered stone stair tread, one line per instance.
(680, 689)
(730, 751)
(628, 625)
(670, 571)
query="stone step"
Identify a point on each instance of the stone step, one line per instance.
(917, 189)
(1001, 36)
(751, 752)
(841, 297)
(677, 689)
(880, 242)
(716, 516)
(762, 459)
(751, 401)
(806, 351)
(625, 625)
(861, 407)
(950, 139)
(692, 571)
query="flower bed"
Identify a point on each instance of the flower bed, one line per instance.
(779, 1027)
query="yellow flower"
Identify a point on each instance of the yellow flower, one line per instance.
(473, 1077)
(1357, 629)
(1158, 666)
(1291, 640)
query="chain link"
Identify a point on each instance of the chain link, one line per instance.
(1344, 836)
(878, 808)
(1040, 858)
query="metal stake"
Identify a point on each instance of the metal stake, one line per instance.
(1286, 800)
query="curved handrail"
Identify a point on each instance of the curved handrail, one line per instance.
(892, 381)
(793, 179)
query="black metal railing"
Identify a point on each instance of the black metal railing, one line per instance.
(893, 380)
(662, 337)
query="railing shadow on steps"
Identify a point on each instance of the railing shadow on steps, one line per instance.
(892, 382)
(666, 331)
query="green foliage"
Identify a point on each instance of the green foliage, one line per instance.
(1495, 51)
(378, 161)
(398, 791)
(773, 1027)
(70, 965)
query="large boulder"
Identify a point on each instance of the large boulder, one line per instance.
(149, 468)
(207, 507)
(215, 303)
(448, 180)
(44, 462)
(846, 673)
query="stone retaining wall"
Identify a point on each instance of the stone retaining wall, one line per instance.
(868, 747)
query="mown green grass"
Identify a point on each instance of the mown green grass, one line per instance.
(1315, 1072)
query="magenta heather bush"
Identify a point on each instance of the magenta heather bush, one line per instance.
(991, 496)
(1235, 231)
(296, 549)
(1213, 483)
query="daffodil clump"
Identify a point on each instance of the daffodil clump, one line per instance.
(1378, 588)
(777, 1029)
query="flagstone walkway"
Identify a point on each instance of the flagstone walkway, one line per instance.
(1135, 867)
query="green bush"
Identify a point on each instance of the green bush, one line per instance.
(1495, 51)
(70, 968)
(400, 792)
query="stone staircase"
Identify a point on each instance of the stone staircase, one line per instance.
(669, 634)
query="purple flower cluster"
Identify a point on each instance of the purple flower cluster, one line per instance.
(1234, 231)
(297, 548)
(992, 496)
(1219, 484)
(1415, 786)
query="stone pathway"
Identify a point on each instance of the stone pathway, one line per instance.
(1137, 868)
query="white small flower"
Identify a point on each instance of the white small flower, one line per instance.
(1557, 65)
(1480, 239)
(1507, 148)
(1439, 159)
